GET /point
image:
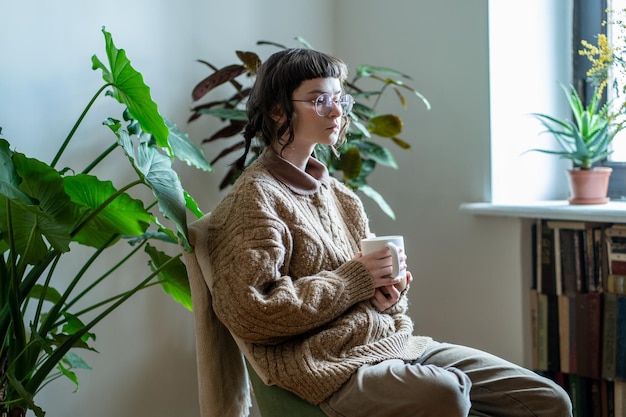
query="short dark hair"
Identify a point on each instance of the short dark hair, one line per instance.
(276, 80)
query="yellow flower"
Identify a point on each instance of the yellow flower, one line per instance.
(601, 56)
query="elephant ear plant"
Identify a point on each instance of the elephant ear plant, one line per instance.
(369, 128)
(46, 210)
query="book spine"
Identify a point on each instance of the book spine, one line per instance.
(542, 332)
(595, 335)
(620, 340)
(609, 336)
(582, 334)
(548, 279)
(564, 330)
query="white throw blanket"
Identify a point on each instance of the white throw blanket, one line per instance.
(223, 386)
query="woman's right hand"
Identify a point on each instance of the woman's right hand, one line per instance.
(380, 267)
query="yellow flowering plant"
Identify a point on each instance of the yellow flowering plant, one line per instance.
(608, 68)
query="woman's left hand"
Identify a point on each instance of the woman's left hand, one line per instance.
(383, 300)
(385, 297)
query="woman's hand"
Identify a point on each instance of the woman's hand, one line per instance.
(385, 297)
(380, 267)
(387, 289)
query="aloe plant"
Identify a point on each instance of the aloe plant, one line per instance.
(584, 140)
(369, 132)
(45, 211)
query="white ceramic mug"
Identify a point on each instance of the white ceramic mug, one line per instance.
(394, 243)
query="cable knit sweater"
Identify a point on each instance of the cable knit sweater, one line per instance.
(280, 245)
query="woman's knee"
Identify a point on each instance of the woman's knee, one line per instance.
(448, 394)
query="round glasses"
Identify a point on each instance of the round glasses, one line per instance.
(324, 103)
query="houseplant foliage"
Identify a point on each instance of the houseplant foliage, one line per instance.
(47, 211)
(608, 68)
(584, 140)
(368, 135)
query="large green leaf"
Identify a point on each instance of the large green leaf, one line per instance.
(374, 195)
(173, 276)
(186, 150)
(376, 152)
(50, 217)
(371, 70)
(9, 180)
(350, 163)
(387, 125)
(130, 89)
(156, 171)
(122, 216)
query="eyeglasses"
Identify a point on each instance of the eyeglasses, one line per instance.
(324, 104)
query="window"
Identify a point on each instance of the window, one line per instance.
(616, 34)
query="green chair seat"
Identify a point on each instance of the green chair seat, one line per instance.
(274, 401)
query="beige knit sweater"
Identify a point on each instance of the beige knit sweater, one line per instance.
(281, 245)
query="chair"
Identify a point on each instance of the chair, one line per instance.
(274, 401)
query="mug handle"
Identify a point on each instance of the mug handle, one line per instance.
(395, 259)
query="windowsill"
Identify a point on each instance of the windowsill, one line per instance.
(613, 211)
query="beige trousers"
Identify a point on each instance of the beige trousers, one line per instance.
(448, 381)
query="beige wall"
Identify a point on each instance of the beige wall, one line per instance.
(468, 287)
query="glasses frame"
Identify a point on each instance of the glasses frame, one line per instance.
(339, 101)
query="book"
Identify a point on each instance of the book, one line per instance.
(602, 259)
(617, 266)
(594, 324)
(570, 267)
(609, 334)
(616, 239)
(542, 332)
(546, 271)
(619, 398)
(554, 350)
(564, 332)
(573, 352)
(620, 339)
(582, 334)
(557, 259)
(616, 284)
(579, 259)
(534, 328)
(578, 391)
(595, 398)
(606, 398)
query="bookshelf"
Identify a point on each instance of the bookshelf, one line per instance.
(577, 297)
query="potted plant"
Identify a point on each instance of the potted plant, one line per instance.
(47, 210)
(355, 160)
(584, 141)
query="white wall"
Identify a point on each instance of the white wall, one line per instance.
(468, 287)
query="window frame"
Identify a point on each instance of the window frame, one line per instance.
(588, 16)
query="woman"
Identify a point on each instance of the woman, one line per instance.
(315, 315)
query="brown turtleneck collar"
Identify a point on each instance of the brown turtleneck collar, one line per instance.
(300, 182)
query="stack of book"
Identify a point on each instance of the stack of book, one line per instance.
(578, 307)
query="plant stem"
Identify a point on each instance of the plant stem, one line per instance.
(75, 127)
(99, 158)
(39, 376)
(106, 274)
(55, 310)
(42, 298)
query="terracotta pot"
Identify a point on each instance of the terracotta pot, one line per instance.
(589, 186)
